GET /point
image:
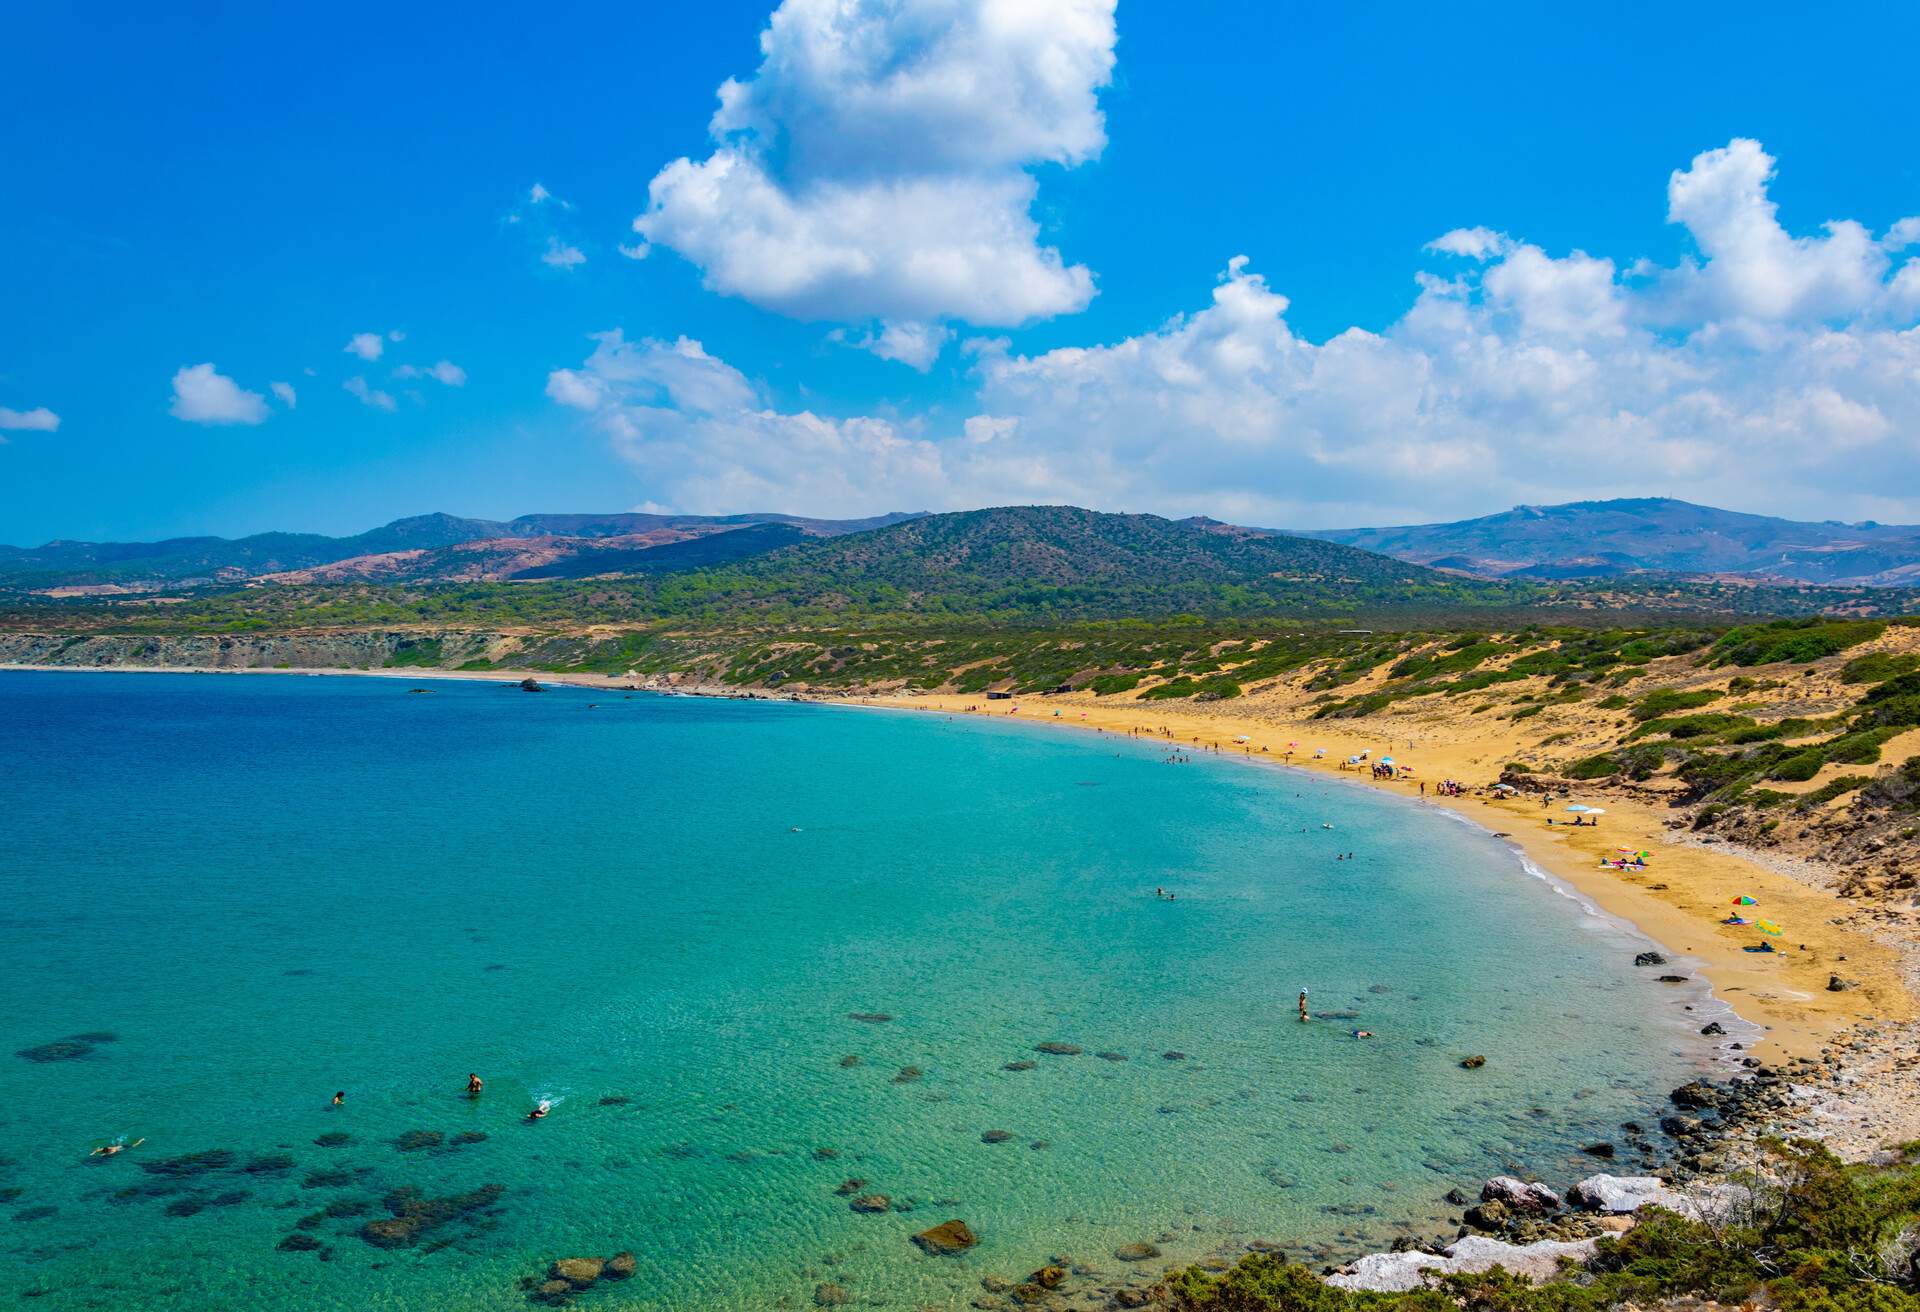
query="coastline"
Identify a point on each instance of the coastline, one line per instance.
(1753, 988)
(1677, 902)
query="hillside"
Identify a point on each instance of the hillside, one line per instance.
(1598, 539)
(421, 547)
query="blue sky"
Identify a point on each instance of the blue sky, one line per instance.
(1050, 197)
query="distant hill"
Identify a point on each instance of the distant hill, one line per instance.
(1062, 560)
(1603, 539)
(434, 547)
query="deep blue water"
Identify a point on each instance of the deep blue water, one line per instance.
(267, 888)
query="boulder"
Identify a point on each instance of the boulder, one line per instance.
(1490, 1215)
(1473, 1063)
(1837, 985)
(1140, 1252)
(577, 1271)
(531, 685)
(1649, 959)
(620, 1266)
(1713, 1027)
(1620, 1193)
(1601, 1149)
(872, 1203)
(1131, 1298)
(947, 1238)
(1400, 1272)
(1697, 1093)
(1522, 1197)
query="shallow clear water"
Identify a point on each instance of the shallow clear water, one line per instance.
(269, 888)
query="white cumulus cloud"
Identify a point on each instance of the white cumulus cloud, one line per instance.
(1769, 370)
(37, 420)
(368, 346)
(875, 165)
(203, 396)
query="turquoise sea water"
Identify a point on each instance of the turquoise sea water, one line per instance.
(269, 888)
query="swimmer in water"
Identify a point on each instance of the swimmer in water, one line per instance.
(340, 1098)
(1303, 1004)
(540, 1112)
(1363, 1034)
(117, 1146)
(474, 1085)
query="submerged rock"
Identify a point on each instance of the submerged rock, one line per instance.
(1473, 1063)
(414, 1140)
(577, 1271)
(947, 1238)
(870, 1017)
(872, 1203)
(333, 1139)
(1649, 959)
(620, 1266)
(57, 1050)
(1139, 1252)
(190, 1164)
(1021, 1065)
(908, 1075)
(996, 1136)
(831, 1295)
(1112, 1056)
(298, 1242)
(1056, 1049)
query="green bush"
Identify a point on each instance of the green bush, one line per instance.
(1879, 666)
(1665, 701)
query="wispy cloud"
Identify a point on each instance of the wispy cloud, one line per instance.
(445, 371)
(367, 395)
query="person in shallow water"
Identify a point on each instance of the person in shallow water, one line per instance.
(340, 1098)
(474, 1084)
(1303, 1004)
(540, 1112)
(117, 1146)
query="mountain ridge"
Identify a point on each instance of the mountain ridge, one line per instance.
(1653, 535)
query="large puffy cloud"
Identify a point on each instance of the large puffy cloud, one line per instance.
(874, 168)
(202, 395)
(1773, 371)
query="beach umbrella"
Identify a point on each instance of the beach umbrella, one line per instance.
(1578, 807)
(1768, 927)
(1596, 810)
(1744, 901)
(1386, 760)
